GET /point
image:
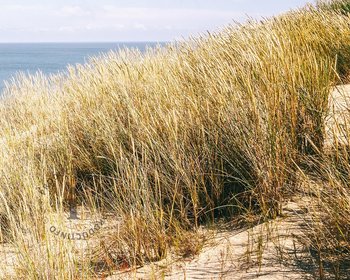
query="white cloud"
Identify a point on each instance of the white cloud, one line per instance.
(67, 29)
(140, 26)
(73, 11)
(99, 26)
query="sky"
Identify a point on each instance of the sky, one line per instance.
(126, 20)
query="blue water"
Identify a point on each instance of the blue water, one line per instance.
(52, 57)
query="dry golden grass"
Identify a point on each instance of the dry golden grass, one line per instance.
(215, 127)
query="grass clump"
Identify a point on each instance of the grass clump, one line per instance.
(174, 138)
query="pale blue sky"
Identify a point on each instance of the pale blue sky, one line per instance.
(122, 20)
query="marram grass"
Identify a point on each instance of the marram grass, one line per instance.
(214, 127)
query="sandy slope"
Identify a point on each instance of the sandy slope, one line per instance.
(229, 255)
(339, 107)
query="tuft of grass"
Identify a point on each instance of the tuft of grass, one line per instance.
(170, 139)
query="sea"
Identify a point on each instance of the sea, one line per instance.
(51, 58)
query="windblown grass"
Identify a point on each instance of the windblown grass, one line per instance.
(171, 139)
